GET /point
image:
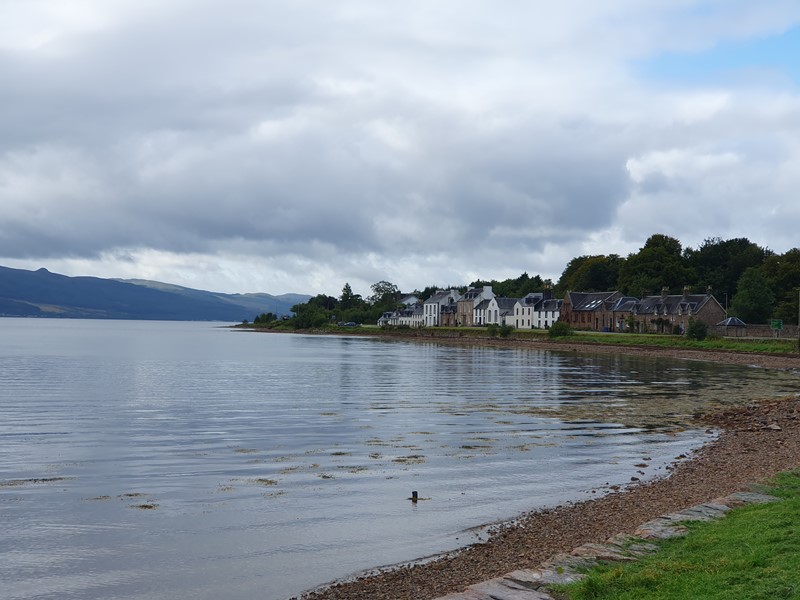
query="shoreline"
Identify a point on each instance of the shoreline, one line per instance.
(756, 441)
(764, 360)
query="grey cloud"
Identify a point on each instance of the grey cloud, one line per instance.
(342, 130)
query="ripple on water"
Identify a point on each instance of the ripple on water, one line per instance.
(253, 453)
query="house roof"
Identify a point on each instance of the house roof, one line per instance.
(506, 303)
(675, 304)
(438, 297)
(552, 304)
(732, 322)
(470, 294)
(625, 304)
(531, 298)
(589, 301)
(484, 304)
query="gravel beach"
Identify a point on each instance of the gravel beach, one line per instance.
(757, 440)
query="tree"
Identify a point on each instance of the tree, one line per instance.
(513, 288)
(658, 264)
(753, 302)
(309, 315)
(591, 274)
(783, 274)
(383, 291)
(697, 330)
(719, 263)
(560, 329)
(348, 299)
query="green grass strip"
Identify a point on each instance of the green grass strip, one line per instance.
(753, 553)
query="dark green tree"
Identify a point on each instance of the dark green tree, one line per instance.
(783, 274)
(384, 294)
(513, 288)
(591, 274)
(658, 264)
(348, 299)
(697, 330)
(719, 264)
(753, 302)
(309, 315)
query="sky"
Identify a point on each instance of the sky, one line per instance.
(293, 146)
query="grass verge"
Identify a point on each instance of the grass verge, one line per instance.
(752, 345)
(753, 553)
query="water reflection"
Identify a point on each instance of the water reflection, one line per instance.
(158, 460)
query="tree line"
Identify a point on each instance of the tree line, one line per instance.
(753, 283)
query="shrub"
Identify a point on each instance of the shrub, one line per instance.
(493, 329)
(697, 330)
(560, 329)
(505, 330)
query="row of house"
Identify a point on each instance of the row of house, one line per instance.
(475, 307)
(665, 313)
(593, 311)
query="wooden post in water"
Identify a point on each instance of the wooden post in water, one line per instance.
(414, 496)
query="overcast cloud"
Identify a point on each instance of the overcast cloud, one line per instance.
(293, 146)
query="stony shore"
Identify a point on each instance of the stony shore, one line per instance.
(756, 441)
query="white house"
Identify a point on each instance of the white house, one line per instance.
(525, 310)
(479, 312)
(536, 311)
(500, 311)
(412, 316)
(432, 307)
(547, 313)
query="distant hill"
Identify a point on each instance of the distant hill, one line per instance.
(45, 294)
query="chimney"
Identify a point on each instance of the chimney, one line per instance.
(664, 292)
(686, 292)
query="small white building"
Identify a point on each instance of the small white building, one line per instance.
(500, 311)
(536, 311)
(411, 316)
(479, 312)
(525, 310)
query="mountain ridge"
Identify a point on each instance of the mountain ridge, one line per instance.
(42, 293)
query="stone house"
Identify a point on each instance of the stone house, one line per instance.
(670, 313)
(468, 301)
(592, 311)
(448, 315)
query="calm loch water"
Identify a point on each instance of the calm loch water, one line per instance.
(182, 460)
